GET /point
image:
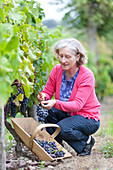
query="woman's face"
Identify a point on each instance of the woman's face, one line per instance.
(67, 58)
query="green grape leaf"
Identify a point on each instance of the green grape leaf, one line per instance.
(5, 65)
(24, 48)
(26, 69)
(15, 91)
(32, 36)
(31, 55)
(26, 90)
(20, 97)
(20, 52)
(16, 101)
(16, 15)
(12, 44)
(2, 17)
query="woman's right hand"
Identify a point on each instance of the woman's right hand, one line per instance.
(41, 98)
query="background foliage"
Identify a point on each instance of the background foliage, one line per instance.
(89, 21)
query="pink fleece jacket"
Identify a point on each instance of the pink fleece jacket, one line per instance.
(82, 101)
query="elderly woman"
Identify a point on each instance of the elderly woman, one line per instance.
(75, 107)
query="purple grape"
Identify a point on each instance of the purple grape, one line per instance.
(41, 113)
(24, 103)
(13, 110)
(50, 148)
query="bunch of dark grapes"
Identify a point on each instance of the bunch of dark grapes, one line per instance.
(41, 113)
(11, 108)
(12, 105)
(24, 103)
(50, 148)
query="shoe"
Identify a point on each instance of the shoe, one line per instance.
(87, 148)
(90, 144)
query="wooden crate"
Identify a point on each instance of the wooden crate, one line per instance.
(26, 126)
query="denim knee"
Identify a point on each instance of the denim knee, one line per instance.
(65, 133)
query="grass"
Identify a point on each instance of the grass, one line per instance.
(107, 131)
(107, 149)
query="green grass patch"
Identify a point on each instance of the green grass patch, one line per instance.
(107, 149)
(107, 131)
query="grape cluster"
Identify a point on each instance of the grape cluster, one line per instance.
(23, 107)
(41, 113)
(11, 108)
(50, 148)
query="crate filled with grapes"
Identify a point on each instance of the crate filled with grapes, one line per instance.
(38, 140)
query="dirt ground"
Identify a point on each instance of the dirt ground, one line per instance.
(95, 161)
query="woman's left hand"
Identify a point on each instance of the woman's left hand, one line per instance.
(48, 104)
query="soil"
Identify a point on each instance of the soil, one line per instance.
(96, 161)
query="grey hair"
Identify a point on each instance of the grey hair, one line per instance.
(74, 45)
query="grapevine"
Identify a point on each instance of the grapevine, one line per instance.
(25, 56)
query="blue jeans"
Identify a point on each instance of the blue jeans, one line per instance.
(75, 130)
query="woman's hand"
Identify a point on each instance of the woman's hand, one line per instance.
(41, 97)
(48, 104)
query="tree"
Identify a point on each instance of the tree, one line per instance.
(50, 23)
(93, 16)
